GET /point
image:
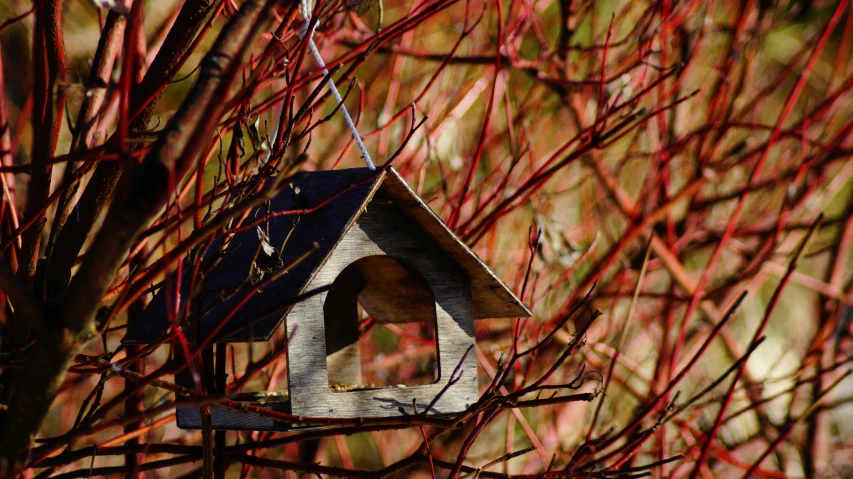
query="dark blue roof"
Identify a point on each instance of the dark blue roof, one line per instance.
(245, 264)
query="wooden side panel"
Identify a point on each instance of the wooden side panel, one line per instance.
(393, 294)
(384, 230)
(222, 418)
(340, 313)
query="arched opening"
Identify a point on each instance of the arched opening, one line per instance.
(380, 327)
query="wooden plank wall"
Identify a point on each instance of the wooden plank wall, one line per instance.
(384, 230)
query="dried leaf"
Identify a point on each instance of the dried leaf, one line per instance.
(269, 250)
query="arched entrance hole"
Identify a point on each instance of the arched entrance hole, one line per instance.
(380, 327)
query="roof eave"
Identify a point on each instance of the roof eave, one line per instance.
(492, 297)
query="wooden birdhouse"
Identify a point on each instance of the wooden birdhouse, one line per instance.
(375, 244)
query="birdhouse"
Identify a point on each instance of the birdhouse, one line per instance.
(360, 238)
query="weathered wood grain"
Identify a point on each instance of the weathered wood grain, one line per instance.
(389, 292)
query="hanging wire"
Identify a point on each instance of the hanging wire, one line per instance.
(306, 14)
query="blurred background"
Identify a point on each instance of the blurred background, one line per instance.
(660, 157)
